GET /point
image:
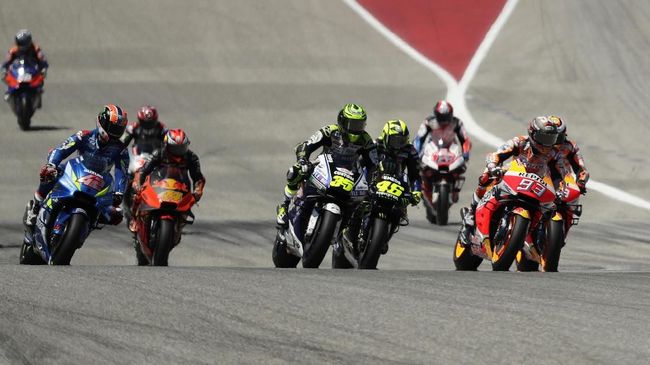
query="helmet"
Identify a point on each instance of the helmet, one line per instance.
(543, 133)
(394, 135)
(443, 111)
(148, 116)
(176, 142)
(23, 39)
(111, 122)
(561, 128)
(352, 121)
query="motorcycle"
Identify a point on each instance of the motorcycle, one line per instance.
(321, 203)
(165, 203)
(515, 207)
(79, 201)
(545, 251)
(442, 171)
(372, 225)
(24, 81)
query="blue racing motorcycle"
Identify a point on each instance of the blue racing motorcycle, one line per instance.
(79, 202)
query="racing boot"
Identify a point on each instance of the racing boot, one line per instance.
(31, 211)
(468, 217)
(281, 211)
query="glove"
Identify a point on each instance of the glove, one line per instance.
(494, 170)
(466, 156)
(48, 172)
(416, 197)
(582, 185)
(117, 199)
(304, 166)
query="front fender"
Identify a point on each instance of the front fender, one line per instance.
(333, 207)
(522, 212)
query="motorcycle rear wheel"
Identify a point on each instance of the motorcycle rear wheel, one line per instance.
(512, 243)
(316, 249)
(164, 244)
(524, 264)
(281, 257)
(378, 236)
(71, 240)
(442, 205)
(29, 257)
(554, 246)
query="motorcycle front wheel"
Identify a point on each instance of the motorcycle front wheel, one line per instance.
(73, 238)
(164, 244)
(378, 237)
(315, 251)
(553, 246)
(504, 252)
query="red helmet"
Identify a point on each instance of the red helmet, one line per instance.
(148, 116)
(443, 111)
(176, 142)
(111, 122)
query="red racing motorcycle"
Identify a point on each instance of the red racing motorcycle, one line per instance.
(514, 208)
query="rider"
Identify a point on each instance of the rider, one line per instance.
(534, 150)
(175, 152)
(568, 157)
(25, 48)
(442, 119)
(346, 141)
(148, 132)
(395, 154)
(100, 148)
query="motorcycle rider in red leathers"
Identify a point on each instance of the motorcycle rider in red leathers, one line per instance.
(535, 151)
(568, 158)
(175, 152)
(442, 118)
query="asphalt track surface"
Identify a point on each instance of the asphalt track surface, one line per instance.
(248, 80)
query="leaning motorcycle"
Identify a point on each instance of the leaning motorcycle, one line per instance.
(165, 203)
(321, 203)
(75, 206)
(24, 81)
(511, 210)
(442, 171)
(372, 225)
(545, 246)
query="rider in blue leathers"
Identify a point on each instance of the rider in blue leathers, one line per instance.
(101, 149)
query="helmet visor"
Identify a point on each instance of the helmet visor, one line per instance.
(396, 142)
(177, 149)
(545, 138)
(354, 126)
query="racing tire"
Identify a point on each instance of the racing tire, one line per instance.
(524, 264)
(315, 251)
(29, 257)
(140, 258)
(73, 238)
(554, 246)
(442, 205)
(281, 256)
(464, 260)
(504, 253)
(23, 112)
(164, 244)
(378, 236)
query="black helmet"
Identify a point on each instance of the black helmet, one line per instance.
(443, 111)
(23, 39)
(543, 133)
(352, 121)
(111, 122)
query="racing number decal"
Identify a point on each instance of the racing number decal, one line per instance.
(343, 182)
(390, 188)
(530, 185)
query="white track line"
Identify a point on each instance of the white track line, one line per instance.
(456, 91)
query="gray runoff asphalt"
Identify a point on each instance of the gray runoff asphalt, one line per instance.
(248, 80)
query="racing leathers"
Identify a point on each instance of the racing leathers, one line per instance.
(33, 53)
(145, 140)
(97, 156)
(568, 159)
(345, 153)
(430, 124)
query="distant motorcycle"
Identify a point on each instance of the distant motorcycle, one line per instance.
(76, 205)
(323, 200)
(514, 208)
(443, 166)
(379, 218)
(24, 81)
(164, 209)
(544, 247)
